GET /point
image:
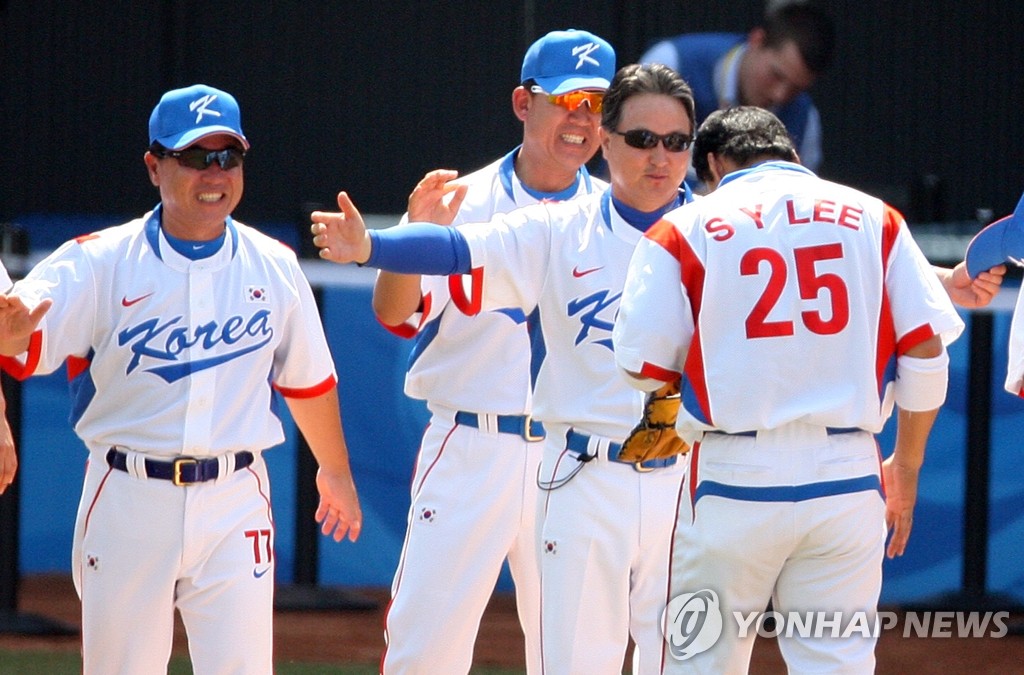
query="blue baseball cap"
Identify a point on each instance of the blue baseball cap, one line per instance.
(998, 243)
(183, 116)
(567, 60)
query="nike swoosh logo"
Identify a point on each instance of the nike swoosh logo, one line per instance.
(125, 302)
(577, 272)
(257, 574)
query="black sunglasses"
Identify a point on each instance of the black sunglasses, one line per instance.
(645, 140)
(201, 158)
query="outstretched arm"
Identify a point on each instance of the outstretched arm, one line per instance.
(341, 236)
(967, 293)
(415, 248)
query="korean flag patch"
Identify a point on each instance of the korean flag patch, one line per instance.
(255, 294)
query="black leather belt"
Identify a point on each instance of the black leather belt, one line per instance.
(181, 470)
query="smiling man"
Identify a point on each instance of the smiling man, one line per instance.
(177, 329)
(478, 461)
(607, 521)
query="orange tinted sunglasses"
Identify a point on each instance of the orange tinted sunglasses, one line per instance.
(574, 99)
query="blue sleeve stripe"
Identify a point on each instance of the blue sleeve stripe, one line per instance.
(420, 248)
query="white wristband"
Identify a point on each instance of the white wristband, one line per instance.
(921, 383)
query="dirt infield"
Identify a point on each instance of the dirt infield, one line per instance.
(357, 636)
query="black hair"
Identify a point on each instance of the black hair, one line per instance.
(743, 134)
(647, 78)
(808, 26)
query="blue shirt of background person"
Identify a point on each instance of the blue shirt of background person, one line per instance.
(771, 67)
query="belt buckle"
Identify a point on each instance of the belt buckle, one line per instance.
(639, 466)
(178, 463)
(527, 433)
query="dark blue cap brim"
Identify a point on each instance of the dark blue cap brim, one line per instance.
(998, 243)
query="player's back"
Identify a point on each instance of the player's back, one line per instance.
(795, 319)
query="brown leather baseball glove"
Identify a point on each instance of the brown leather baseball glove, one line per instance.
(655, 436)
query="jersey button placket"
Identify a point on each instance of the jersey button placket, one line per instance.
(201, 384)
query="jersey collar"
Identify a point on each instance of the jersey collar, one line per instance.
(770, 165)
(685, 196)
(507, 175)
(157, 242)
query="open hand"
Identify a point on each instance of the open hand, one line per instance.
(900, 497)
(8, 456)
(437, 198)
(339, 510)
(341, 236)
(17, 323)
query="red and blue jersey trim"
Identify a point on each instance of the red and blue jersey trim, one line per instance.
(22, 371)
(470, 306)
(405, 330)
(693, 385)
(889, 347)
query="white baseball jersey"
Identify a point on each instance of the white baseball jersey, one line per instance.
(5, 278)
(469, 484)
(1015, 366)
(569, 261)
(480, 363)
(821, 287)
(607, 527)
(173, 356)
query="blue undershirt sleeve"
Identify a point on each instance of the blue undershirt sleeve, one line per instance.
(419, 248)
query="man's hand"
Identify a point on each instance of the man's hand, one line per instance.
(967, 293)
(8, 456)
(339, 505)
(17, 323)
(900, 497)
(341, 237)
(655, 437)
(437, 198)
